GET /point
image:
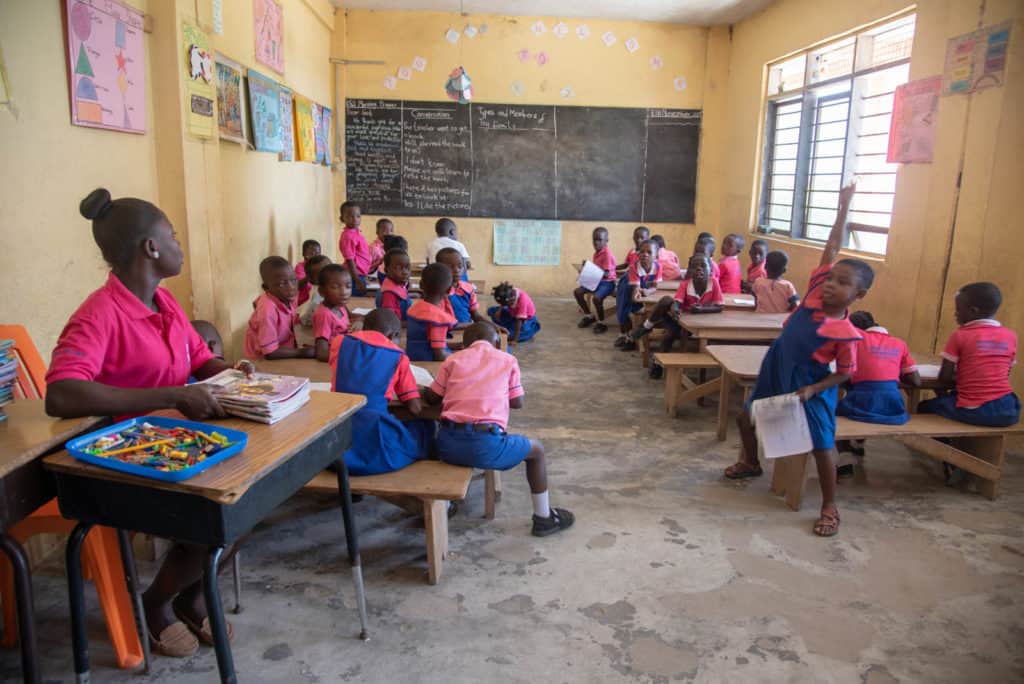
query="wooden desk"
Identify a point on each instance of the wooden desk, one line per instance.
(914, 393)
(318, 371)
(214, 508)
(27, 435)
(731, 302)
(743, 326)
(740, 365)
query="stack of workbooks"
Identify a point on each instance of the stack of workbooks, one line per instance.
(261, 397)
(8, 374)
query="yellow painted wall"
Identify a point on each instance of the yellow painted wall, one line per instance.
(599, 76)
(984, 128)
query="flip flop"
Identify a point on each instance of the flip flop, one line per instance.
(175, 641)
(742, 471)
(202, 631)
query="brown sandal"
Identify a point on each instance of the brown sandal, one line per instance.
(203, 631)
(827, 525)
(741, 471)
(175, 641)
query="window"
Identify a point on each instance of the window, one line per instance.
(827, 118)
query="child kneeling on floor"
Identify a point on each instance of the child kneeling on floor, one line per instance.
(476, 387)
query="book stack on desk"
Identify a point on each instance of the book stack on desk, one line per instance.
(261, 397)
(8, 374)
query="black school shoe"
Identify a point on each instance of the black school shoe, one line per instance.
(600, 328)
(655, 372)
(585, 322)
(560, 519)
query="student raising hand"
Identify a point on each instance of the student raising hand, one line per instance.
(835, 237)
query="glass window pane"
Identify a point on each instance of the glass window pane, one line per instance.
(832, 60)
(869, 242)
(786, 137)
(782, 182)
(870, 219)
(782, 196)
(872, 164)
(830, 130)
(825, 217)
(875, 123)
(826, 183)
(885, 182)
(890, 42)
(814, 232)
(823, 199)
(782, 226)
(836, 110)
(830, 148)
(872, 144)
(872, 202)
(786, 76)
(780, 212)
(827, 165)
(785, 166)
(788, 121)
(784, 151)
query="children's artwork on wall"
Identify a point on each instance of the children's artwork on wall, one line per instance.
(527, 243)
(914, 115)
(582, 31)
(452, 36)
(608, 38)
(458, 86)
(560, 30)
(323, 137)
(305, 136)
(318, 150)
(419, 64)
(230, 103)
(269, 27)
(469, 31)
(976, 60)
(404, 73)
(200, 88)
(265, 105)
(657, 62)
(287, 125)
(632, 44)
(538, 28)
(679, 83)
(106, 65)
(390, 82)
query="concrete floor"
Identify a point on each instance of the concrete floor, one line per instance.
(671, 573)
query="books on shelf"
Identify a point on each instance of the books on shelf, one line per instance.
(262, 397)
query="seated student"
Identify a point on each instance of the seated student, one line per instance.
(391, 242)
(355, 253)
(208, 332)
(640, 233)
(447, 236)
(476, 387)
(706, 245)
(369, 362)
(641, 281)
(669, 260)
(758, 252)
(310, 249)
(462, 302)
(394, 289)
(698, 294)
(605, 260)
(729, 272)
(384, 228)
(772, 294)
(515, 312)
(427, 320)
(271, 332)
(976, 363)
(331, 317)
(306, 311)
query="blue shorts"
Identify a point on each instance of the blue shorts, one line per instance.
(1001, 412)
(497, 450)
(605, 289)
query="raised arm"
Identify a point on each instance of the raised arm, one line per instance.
(835, 237)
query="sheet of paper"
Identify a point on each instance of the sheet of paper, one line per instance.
(320, 386)
(781, 426)
(361, 311)
(590, 276)
(421, 375)
(928, 371)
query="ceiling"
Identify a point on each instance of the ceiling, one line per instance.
(697, 12)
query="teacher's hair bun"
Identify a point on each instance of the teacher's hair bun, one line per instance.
(96, 204)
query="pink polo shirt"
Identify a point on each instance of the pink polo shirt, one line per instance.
(115, 339)
(300, 273)
(756, 272)
(477, 384)
(523, 308)
(881, 357)
(773, 296)
(687, 295)
(352, 245)
(631, 257)
(270, 326)
(669, 261)
(843, 337)
(984, 352)
(403, 383)
(327, 324)
(729, 274)
(603, 258)
(376, 255)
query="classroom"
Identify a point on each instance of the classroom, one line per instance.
(749, 272)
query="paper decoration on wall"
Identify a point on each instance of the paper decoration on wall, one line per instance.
(265, 108)
(390, 82)
(632, 44)
(484, 28)
(560, 30)
(199, 82)
(268, 19)
(914, 114)
(218, 17)
(976, 60)
(542, 58)
(582, 31)
(679, 83)
(305, 136)
(323, 137)
(419, 64)
(106, 65)
(318, 150)
(230, 107)
(404, 73)
(469, 31)
(287, 124)
(527, 243)
(538, 28)
(523, 55)
(608, 38)
(656, 62)
(567, 92)
(458, 86)
(452, 36)
(518, 88)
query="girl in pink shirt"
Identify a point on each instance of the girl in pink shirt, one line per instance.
(310, 250)
(129, 349)
(331, 318)
(516, 312)
(669, 260)
(271, 331)
(384, 228)
(772, 294)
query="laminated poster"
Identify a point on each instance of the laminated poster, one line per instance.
(305, 136)
(265, 105)
(287, 125)
(230, 103)
(268, 25)
(914, 113)
(200, 89)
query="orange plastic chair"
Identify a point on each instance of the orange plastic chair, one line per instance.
(101, 554)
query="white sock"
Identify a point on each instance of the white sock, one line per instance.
(541, 508)
(648, 325)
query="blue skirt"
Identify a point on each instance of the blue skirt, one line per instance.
(874, 402)
(381, 443)
(497, 450)
(501, 316)
(1001, 412)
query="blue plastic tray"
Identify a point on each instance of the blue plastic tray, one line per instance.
(237, 438)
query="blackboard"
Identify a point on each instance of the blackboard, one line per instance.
(522, 161)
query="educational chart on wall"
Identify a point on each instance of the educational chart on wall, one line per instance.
(522, 161)
(268, 25)
(106, 65)
(527, 243)
(287, 125)
(914, 114)
(305, 136)
(265, 105)
(199, 78)
(976, 60)
(323, 137)
(230, 104)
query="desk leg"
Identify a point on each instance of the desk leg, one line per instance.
(723, 404)
(134, 590)
(76, 597)
(236, 580)
(218, 625)
(352, 543)
(26, 616)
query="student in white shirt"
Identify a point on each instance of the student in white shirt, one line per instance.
(446, 237)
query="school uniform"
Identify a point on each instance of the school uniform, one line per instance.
(271, 326)
(605, 260)
(874, 395)
(686, 294)
(755, 272)
(307, 310)
(394, 296)
(463, 302)
(773, 295)
(801, 355)
(984, 352)
(442, 242)
(670, 268)
(300, 273)
(716, 272)
(476, 385)
(427, 329)
(635, 277)
(352, 245)
(376, 256)
(729, 277)
(368, 363)
(524, 310)
(327, 324)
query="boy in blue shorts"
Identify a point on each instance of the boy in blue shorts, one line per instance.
(605, 260)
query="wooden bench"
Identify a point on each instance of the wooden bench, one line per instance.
(977, 450)
(425, 487)
(676, 380)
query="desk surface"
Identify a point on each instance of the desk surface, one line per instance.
(707, 324)
(29, 433)
(743, 361)
(739, 302)
(269, 445)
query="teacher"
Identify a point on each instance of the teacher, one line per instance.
(128, 350)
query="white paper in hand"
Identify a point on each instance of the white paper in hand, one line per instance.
(781, 426)
(590, 276)
(928, 371)
(421, 375)
(361, 312)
